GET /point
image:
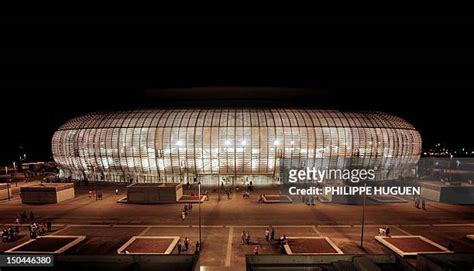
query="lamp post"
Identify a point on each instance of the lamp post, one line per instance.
(363, 217)
(8, 189)
(218, 188)
(199, 199)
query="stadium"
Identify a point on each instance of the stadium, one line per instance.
(232, 145)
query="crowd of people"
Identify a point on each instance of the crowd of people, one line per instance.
(309, 200)
(38, 229)
(269, 238)
(385, 231)
(98, 195)
(419, 200)
(24, 217)
(186, 209)
(10, 234)
(186, 245)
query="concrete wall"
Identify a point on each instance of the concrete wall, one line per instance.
(4, 193)
(430, 194)
(158, 193)
(462, 194)
(42, 196)
(65, 194)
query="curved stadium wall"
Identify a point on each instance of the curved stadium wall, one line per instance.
(180, 145)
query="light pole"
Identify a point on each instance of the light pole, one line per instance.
(199, 199)
(363, 217)
(218, 188)
(8, 189)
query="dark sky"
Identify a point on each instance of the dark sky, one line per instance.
(52, 69)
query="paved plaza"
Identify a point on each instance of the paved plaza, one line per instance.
(108, 224)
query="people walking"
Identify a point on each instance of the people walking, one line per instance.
(247, 238)
(23, 216)
(183, 215)
(423, 204)
(243, 236)
(186, 243)
(49, 226)
(272, 233)
(267, 235)
(179, 247)
(197, 250)
(116, 191)
(32, 216)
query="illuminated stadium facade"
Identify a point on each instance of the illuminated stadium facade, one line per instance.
(234, 145)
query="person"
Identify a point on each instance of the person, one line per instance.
(387, 231)
(183, 215)
(17, 220)
(32, 216)
(247, 238)
(198, 248)
(423, 204)
(451, 246)
(186, 243)
(282, 242)
(16, 232)
(255, 250)
(185, 208)
(267, 235)
(417, 202)
(42, 227)
(116, 191)
(90, 193)
(179, 247)
(49, 226)
(382, 231)
(272, 233)
(242, 236)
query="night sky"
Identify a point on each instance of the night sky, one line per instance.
(52, 69)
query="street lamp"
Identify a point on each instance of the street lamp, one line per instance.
(8, 189)
(199, 199)
(363, 217)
